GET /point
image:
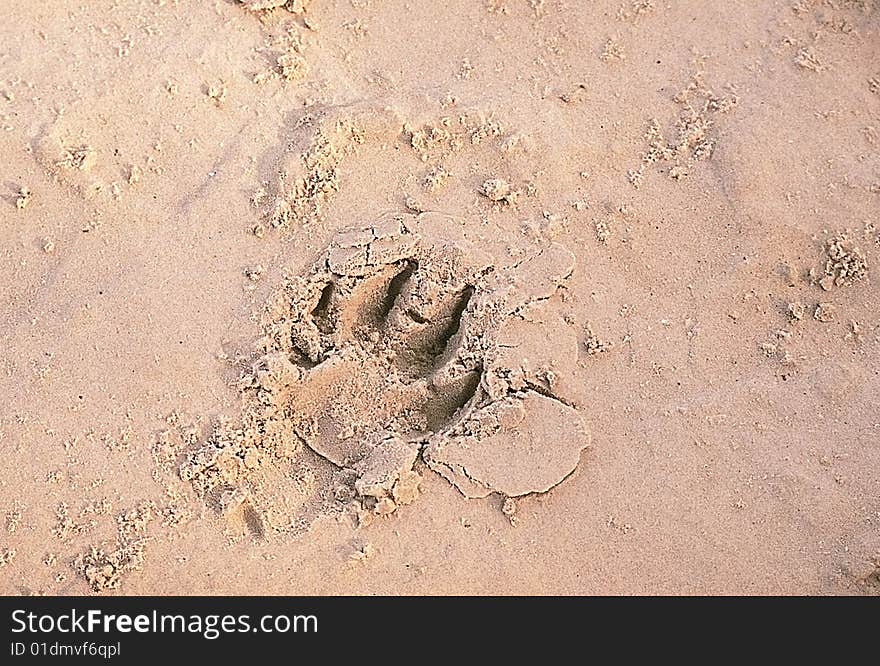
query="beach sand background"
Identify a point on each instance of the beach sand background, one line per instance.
(712, 167)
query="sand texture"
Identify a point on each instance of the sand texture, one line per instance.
(480, 297)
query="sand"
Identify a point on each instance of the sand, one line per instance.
(480, 297)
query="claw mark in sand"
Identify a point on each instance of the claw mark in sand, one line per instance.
(402, 343)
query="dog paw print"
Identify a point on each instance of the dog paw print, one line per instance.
(404, 341)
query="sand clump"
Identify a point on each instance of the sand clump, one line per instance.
(796, 311)
(23, 198)
(73, 162)
(13, 518)
(6, 556)
(323, 140)
(308, 175)
(807, 58)
(436, 178)
(103, 566)
(593, 344)
(499, 190)
(293, 6)
(845, 264)
(303, 190)
(825, 312)
(285, 53)
(216, 92)
(439, 139)
(81, 158)
(694, 137)
(612, 50)
(635, 10)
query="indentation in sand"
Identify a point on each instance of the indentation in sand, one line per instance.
(402, 343)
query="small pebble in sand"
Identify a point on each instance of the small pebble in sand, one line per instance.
(855, 331)
(509, 509)
(495, 189)
(262, 5)
(216, 92)
(825, 312)
(6, 556)
(255, 272)
(845, 265)
(13, 519)
(363, 554)
(593, 344)
(796, 311)
(499, 191)
(24, 197)
(292, 66)
(611, 51)
(81, 158)
(603, 231)
(436, 178)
